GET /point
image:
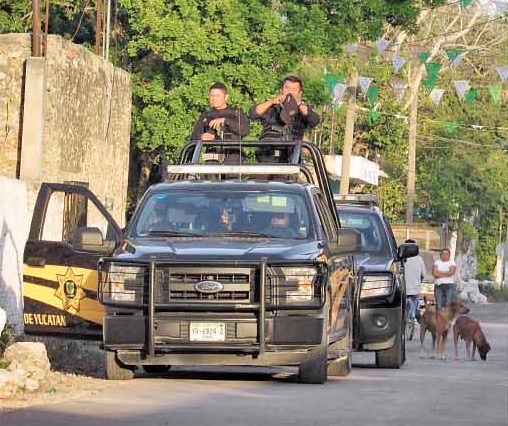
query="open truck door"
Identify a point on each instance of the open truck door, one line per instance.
(70, 231)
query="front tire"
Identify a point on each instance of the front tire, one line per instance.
(156, 369)
(115, 369)
(394, 356)
(314, 370)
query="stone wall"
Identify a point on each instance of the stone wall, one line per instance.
(14, 49)
(65, 117)
(85, 119)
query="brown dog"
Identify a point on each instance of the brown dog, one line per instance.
(438, 322)
(469, 330)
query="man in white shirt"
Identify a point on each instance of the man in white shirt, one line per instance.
(445, 287)
(414, 273)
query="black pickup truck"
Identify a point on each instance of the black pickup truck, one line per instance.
(224, 264)
(381, 321)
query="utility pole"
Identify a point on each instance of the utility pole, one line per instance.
(46, 30)
(98, 28)
(36, 28)
(411, 165)
(348, 135)
(108, 30)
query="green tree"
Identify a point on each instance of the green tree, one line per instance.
(178, 48)
(15, 16)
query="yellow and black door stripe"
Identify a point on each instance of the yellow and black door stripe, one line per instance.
(67, 291)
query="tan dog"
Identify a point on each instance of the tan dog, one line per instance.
(438, 322)
(469, 330)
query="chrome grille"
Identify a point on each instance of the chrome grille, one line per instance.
(179, 284)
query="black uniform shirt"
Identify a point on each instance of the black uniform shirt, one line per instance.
(236, 124)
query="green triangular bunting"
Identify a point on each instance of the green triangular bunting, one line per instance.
(429, 83)
(470, 96)
(373, 94)
(374, 116)
(495, 92)
(432, 69)
(423, 56)
(451, 127)
(465, 3)
(452, 53)
(330, 81)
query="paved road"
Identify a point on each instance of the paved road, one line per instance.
(425, 392)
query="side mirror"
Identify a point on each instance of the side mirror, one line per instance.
(349, 240)
(407, 250)
(88, 239)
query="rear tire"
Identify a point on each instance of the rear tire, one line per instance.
(314, 370)
(394, 356)
(115, 369)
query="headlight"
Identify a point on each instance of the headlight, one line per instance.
(376, 285)
(298, 284)
(123, 283)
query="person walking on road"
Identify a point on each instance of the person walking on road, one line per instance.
(445, 287)
(414, 273)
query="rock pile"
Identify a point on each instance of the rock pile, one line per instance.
(27, 365)
(470, 291)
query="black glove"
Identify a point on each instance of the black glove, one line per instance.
(289, 109)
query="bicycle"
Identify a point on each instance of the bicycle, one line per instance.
(412, 302)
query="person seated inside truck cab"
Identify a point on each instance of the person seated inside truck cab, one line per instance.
(281, 226)
(370, 242)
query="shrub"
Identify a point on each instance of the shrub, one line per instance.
(6, 338)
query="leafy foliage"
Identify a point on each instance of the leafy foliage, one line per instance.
(175, 49)
(14, 16)
(178, 49)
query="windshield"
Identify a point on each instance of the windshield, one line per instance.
(374, 239)
(271, 214)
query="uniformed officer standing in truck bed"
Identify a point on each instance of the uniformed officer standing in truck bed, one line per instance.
(286, 116)
(220, 122)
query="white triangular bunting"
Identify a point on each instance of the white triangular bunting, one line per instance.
(436, 96)
(351, 48)
(398, 62)
(501, 7)
(338, 92)
(399, 89)
(461, 87)
(502, 71)
(364, 83)
(381, 45)
(458, 60)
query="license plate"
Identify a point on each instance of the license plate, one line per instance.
(207, 332)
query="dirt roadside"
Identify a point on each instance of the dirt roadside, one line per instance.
(77, 370)
(57, 387)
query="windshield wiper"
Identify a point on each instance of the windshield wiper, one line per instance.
(172, 234)
(244, 234)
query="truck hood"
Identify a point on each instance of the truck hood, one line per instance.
(240, 249)
(374, 262)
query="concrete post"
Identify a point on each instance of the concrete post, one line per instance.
(32, 149)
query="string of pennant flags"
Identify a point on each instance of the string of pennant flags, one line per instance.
(454, 57)
(463, 88)
(451, 127)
